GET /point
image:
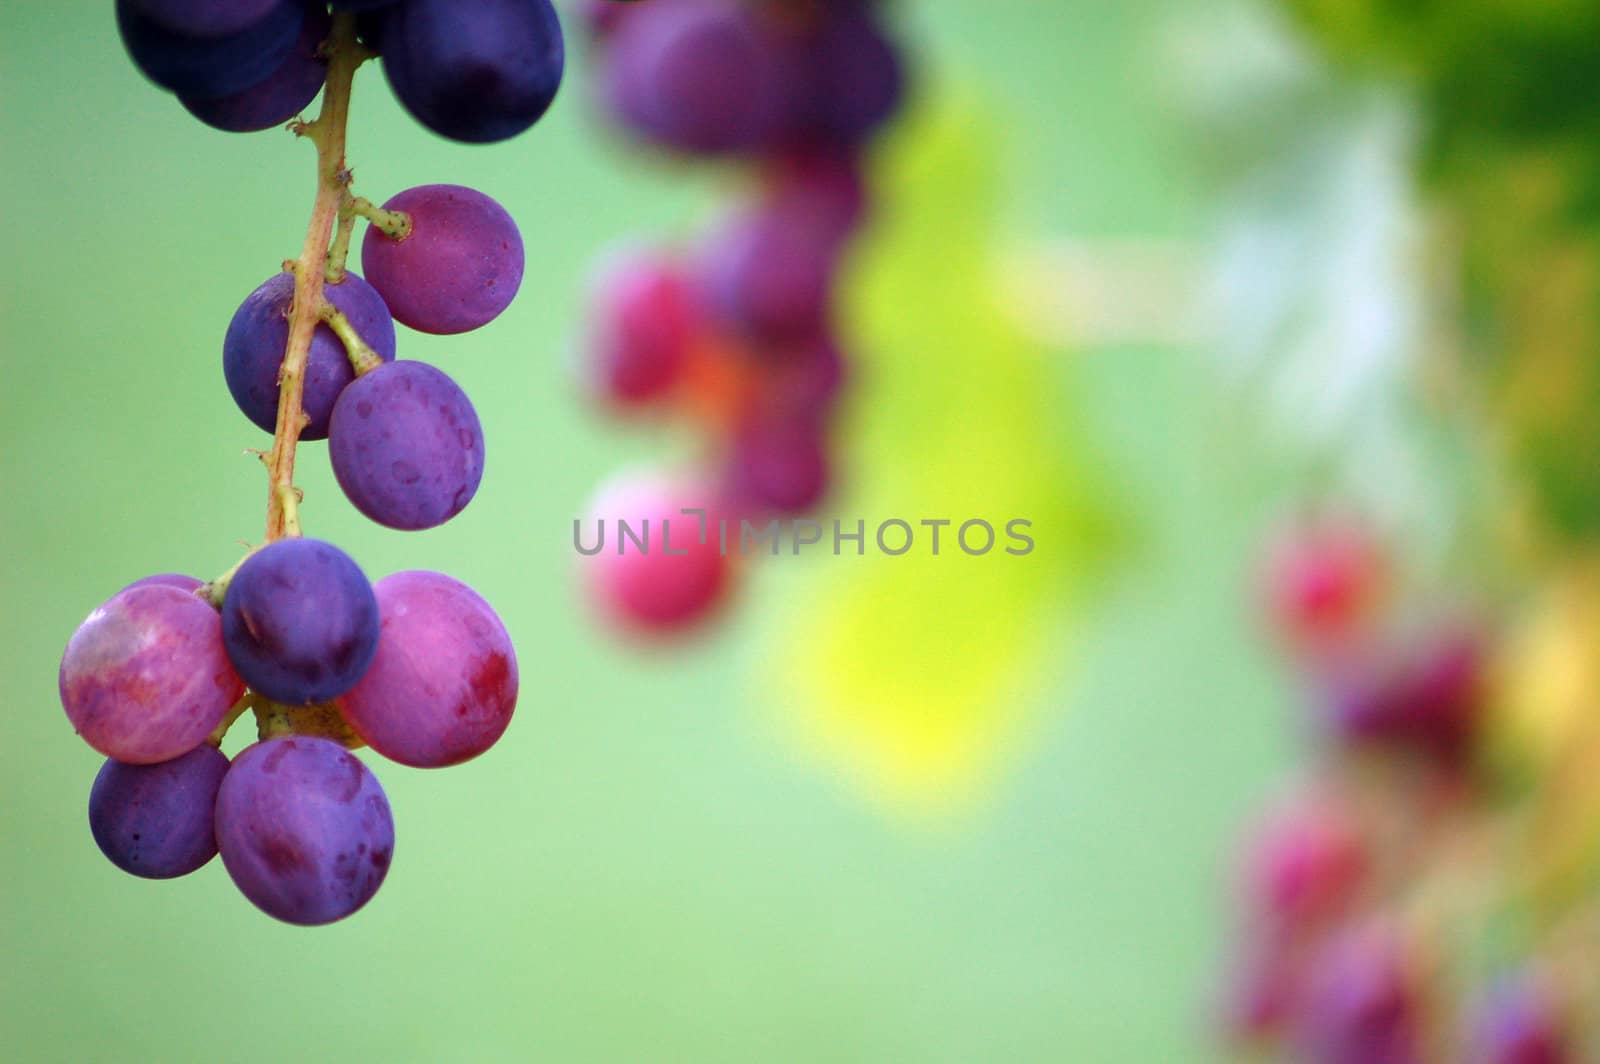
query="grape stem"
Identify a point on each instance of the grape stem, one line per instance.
(238, 710)
(363, 359)
(327, 133)
(396, 224)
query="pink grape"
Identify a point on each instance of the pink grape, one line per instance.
(457, 269)
(444, 683)
(646, 317)
(145, 678)
(651, 591)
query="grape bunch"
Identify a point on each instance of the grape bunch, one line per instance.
(1383, 894)
(736, 329)
(416, 665)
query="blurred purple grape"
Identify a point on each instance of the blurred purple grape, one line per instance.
(703, 77)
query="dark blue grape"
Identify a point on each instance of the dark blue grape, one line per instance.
(252, 350)
(304, 829)
(474, 70)
(155, 821)
(406, 446)
(210, 66)
(204, 18)
(280, 96)
(361, 5)
(703, 77)
(300, 622)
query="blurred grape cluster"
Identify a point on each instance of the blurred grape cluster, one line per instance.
(734, 330)
(1427, 890)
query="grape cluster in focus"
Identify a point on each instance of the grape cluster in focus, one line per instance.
(415, 665)
(735, 330)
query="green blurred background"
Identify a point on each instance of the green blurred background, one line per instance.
(644, 869)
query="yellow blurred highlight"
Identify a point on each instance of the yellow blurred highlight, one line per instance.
(918, 676)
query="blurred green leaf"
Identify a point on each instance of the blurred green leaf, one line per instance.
(917, 673)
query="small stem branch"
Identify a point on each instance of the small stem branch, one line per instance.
(396, 224)
(328, 134)
(339, 250)
(363, 359)
(272, 720)
(238, 710)
(217, 590)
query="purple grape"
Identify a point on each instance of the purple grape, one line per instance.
(1305, 864)
(406, 446)
(457, 269)
(304, 829)
(1520, 1024)
(779, 465)
(145, 678)
(178, 580)
(210, 66)
(252, 350)
(361, 5)
(300, 621)
(851, 78)
(474, 70)
(829, 187)
(602, 17)
(704, 77)
(800, 381)
(156, 821)
(1359, 1005)
(444, 683)
(280, 95)
(770, 272)
(204, 18)
(1261, 992)
(646, 317)
(1426, 693)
